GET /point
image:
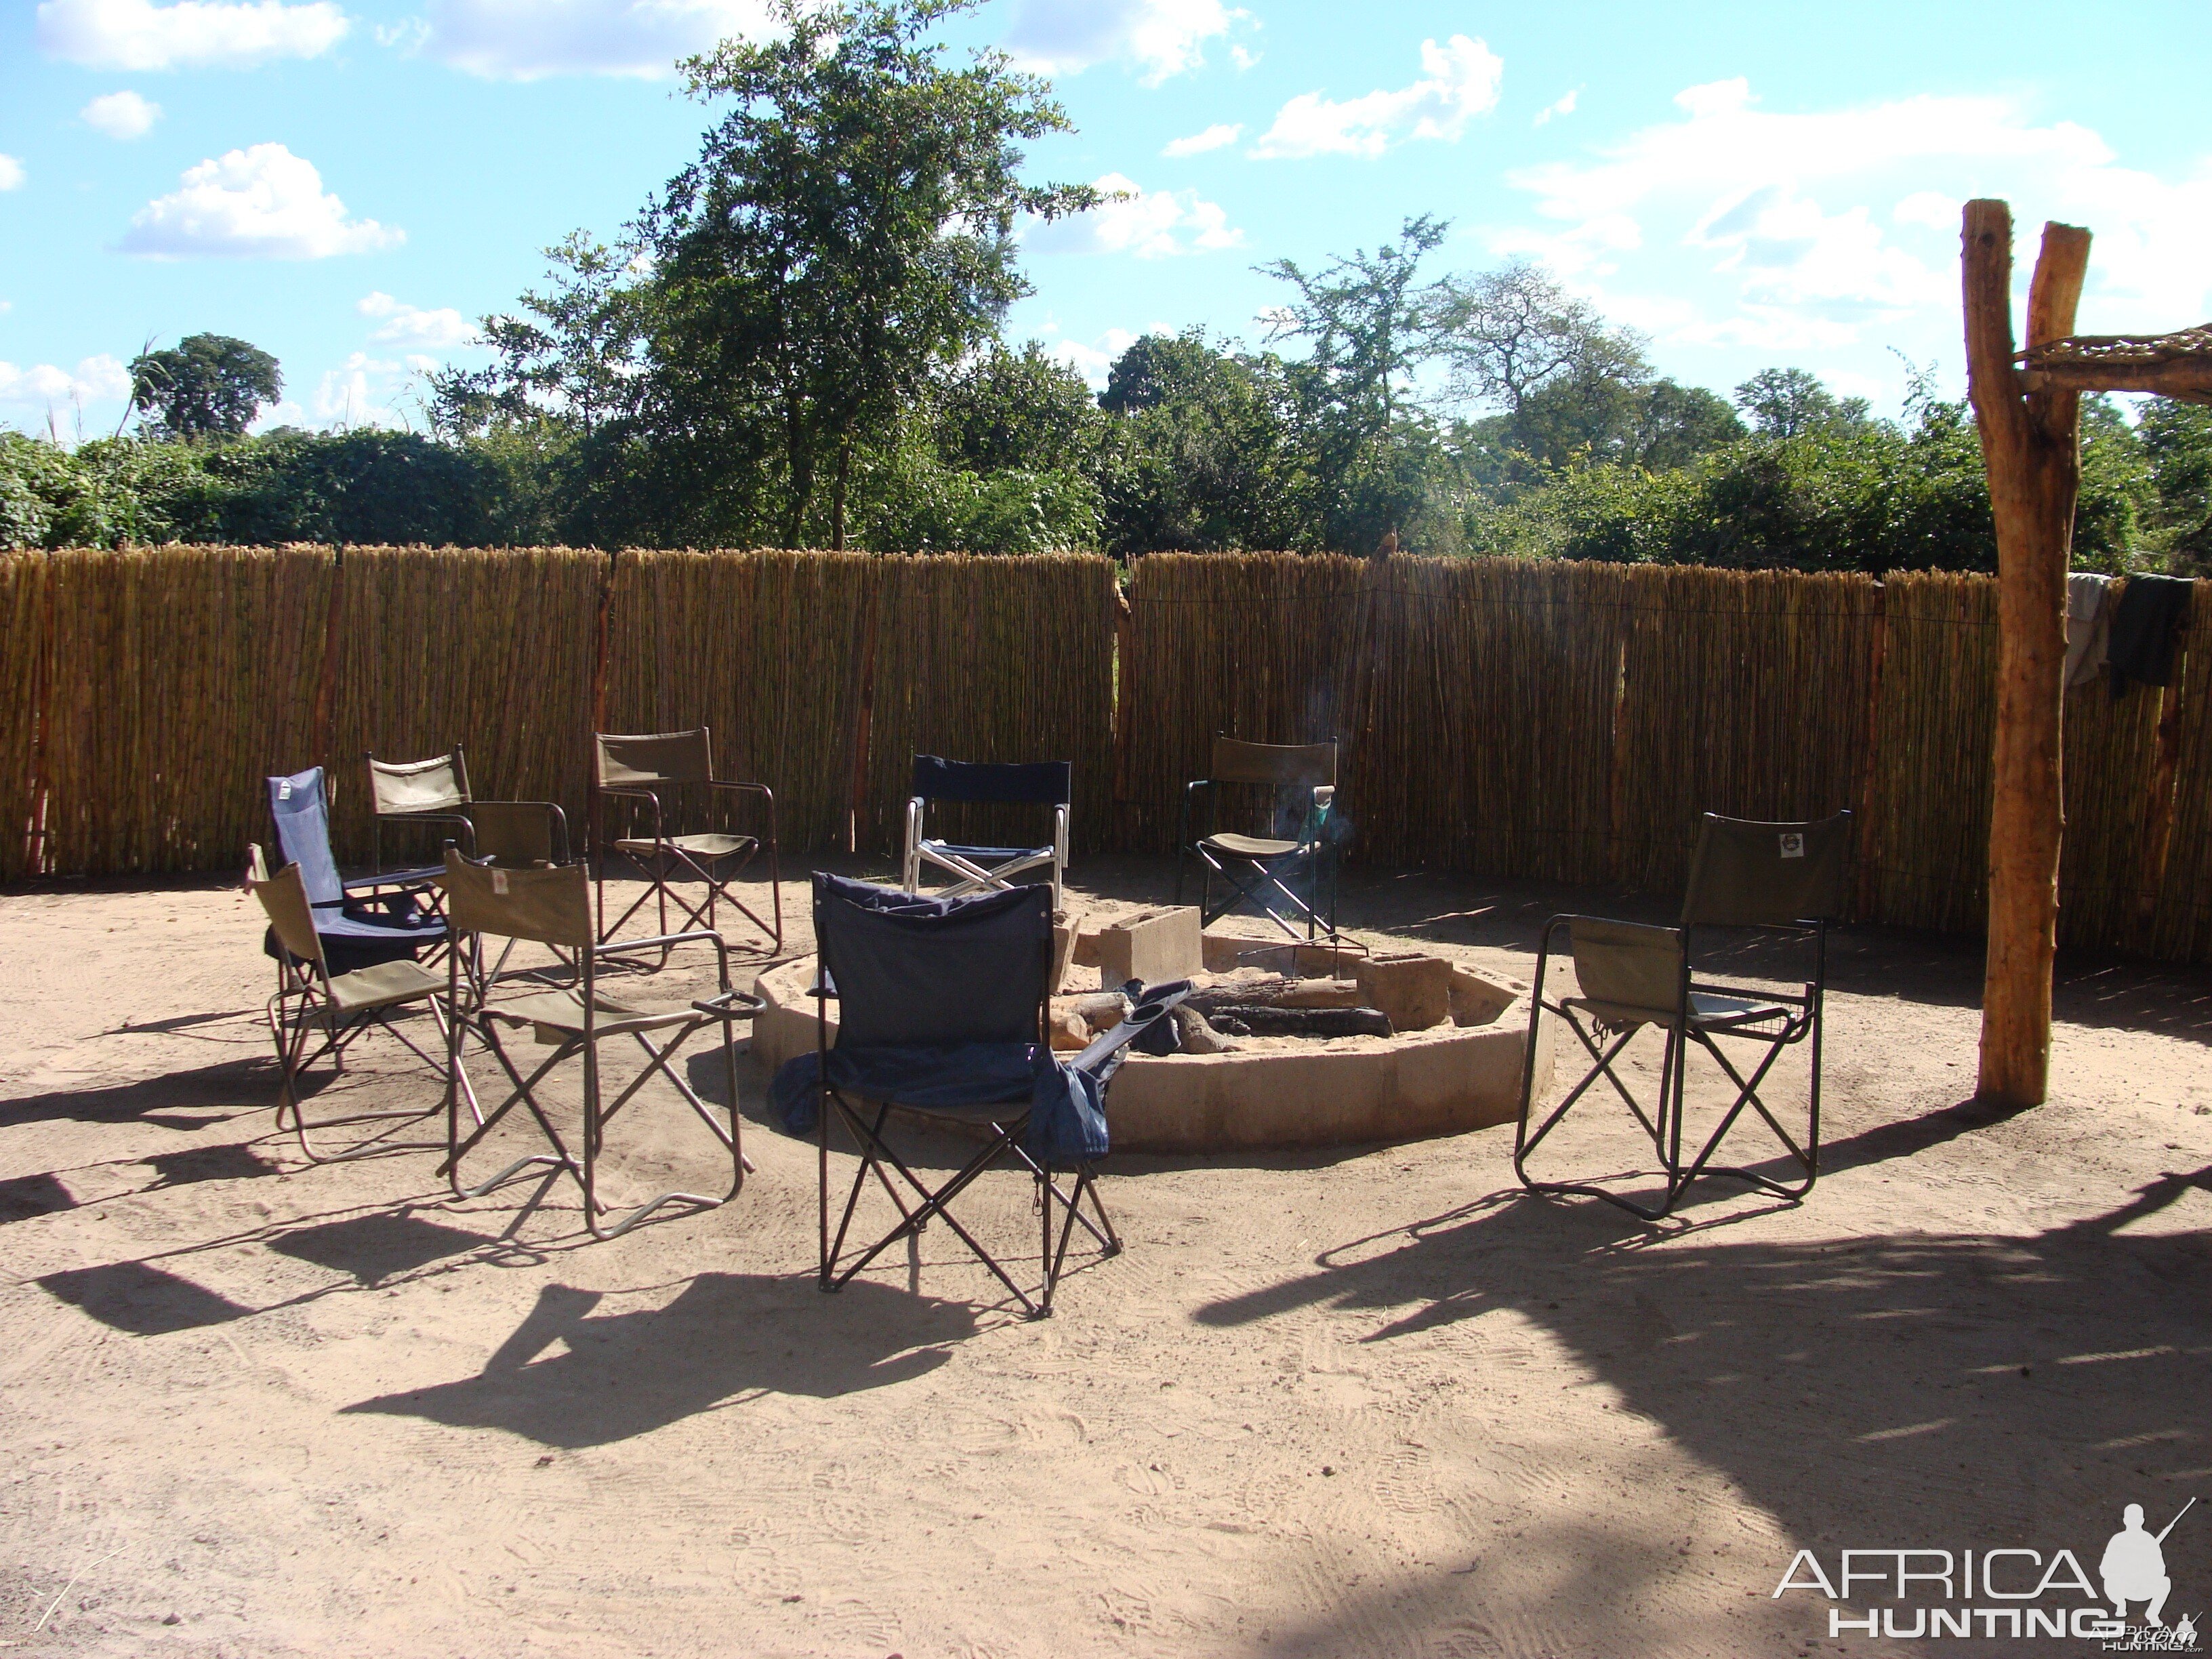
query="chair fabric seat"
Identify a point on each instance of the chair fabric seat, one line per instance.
(394, 878)
(383, 985)
(712, 845)
(562, 1011)
(1709, 1010)
(1251, 847)
(985, 855)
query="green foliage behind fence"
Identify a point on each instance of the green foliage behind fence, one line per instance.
(1547, 719)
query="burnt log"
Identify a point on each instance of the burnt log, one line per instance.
(1267, 1020)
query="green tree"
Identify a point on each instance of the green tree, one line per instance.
(2177, 443)
(846, 235)
(1789, 402)
(576, 357)
(1368, 326)
(208, 387)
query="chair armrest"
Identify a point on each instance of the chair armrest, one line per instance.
(393, 883)
(733, 1005)
(667, 941)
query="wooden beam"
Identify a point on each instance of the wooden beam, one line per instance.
(2189, 379)
(2031, 452)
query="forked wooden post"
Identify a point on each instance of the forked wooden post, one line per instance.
(2031, 450)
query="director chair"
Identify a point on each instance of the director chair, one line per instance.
(341, 1007)
(986, 869)
(552, 906)
(1774, 884)
(1294, 785)
(664, 772)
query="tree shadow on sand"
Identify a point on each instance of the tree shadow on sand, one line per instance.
(726, 1338)
(1897, 1389)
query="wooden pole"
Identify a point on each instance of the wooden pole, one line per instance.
(2031, 451)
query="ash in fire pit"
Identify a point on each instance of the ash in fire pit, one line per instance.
(1272, 1006)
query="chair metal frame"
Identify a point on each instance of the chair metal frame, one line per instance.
(1703, 1011)
(986, 869)
(483, 899)
(615, 778)
(1005, 1122)
(1302, 777)
(343, 1007)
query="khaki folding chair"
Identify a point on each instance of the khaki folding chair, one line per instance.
(553, 906)
(310, 999)
(1292, 787)
(412, 793)
(1776, 884)
(659, 771)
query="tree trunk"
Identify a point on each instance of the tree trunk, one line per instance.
(2031, 452)
(837, 490)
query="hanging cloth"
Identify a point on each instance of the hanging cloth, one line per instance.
(2088, 625)
(2151, 609)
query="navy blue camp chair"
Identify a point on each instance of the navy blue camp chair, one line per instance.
(361, 923)
(987, 869)
(942, 1009)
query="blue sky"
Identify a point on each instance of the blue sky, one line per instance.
(350, 183)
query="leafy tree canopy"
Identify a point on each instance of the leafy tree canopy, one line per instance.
(208, 387)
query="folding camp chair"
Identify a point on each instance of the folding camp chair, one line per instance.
(411, 794)
(657, 770)
(1297, 784)
(987, 869)
(942, 1010)
(1774, 884)
(553, 905)
(341, 1006)
(358, 923)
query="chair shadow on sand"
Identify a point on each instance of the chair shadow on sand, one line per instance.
(725, 1339)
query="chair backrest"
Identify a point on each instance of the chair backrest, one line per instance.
(514, 835)
(302, 812)
(285, 898)
(1631, 970)
(1746, 874)
(644, 759)
(553, 906)
(1040, 783)
(1311, 764)
(437, 785)
(934, 973)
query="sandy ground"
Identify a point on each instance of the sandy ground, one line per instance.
(1369, 1403)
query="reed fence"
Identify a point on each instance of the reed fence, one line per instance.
(1547, 721)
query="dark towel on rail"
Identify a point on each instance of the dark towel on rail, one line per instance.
(2150, 611)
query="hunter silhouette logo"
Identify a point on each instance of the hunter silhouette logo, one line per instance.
(2011, 1593)
(1793, 846)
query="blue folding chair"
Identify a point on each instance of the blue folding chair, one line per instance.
(942, 1008)
(392, 917)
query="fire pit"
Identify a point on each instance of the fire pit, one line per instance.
(1304, 1058)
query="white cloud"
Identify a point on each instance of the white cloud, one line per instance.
(121, 115)
(1834, 226)
(1460, 81)
(1093, 360)
(43, 387)
(259, 204)
(1164, 37)
(11, 173)
(1563, 105)
(1149, 224)
(401, 325)
(1218, 136)
(139, 36)
(361, 393)
(529, 39)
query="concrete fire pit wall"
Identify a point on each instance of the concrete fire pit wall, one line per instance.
(1462, 1075)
